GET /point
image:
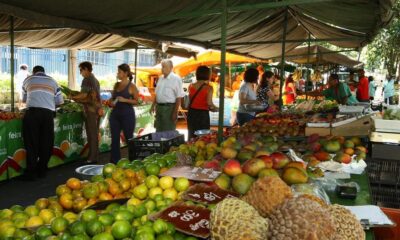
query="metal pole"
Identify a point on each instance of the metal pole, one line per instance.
(136, 54)
(12, 67)
(223, 66)
(308, 62)
(283, 57)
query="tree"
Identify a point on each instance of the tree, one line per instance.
(384, 49)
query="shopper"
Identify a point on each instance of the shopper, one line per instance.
(169, 93)
(372, 87)
(41, 95)
(122, 117)
(200, 95)
(362, 87)
(388, 90)
(264, 91)
(90, 98)
(247, 95)
(290, 90)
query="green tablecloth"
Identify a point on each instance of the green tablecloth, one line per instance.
(363, 197)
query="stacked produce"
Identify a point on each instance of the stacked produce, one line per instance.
(6, 116)
(391, 114)
(70, 108)
(313, 106)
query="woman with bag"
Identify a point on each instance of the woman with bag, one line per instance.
(200, 102)
(124, 96)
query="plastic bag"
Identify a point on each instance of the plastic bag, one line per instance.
(311, 189)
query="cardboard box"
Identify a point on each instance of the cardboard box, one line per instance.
(359, 127)
(322, 131)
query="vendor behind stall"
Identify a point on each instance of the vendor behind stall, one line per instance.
(338, 91)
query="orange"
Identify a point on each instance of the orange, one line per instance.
(19, 155)
(141, 176)
(92, 201)
(134, 182)
(59, 225)
(33, 222)
(42, 203)
(118, 175)
(66, 200)
(47, 215)
(125, 185)
(170, 193)
(119, 196)
(130, 173)
(105, 196)
(60, 190)
(64, 146)
(349, 151)
(103, 186)
(32, 210)
(74, 183)
(79, 204)
(115, 189)
(91, 191)
(77, 193)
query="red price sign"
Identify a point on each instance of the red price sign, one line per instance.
(208, 194)
(192, 220)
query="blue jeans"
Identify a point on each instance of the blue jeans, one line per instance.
(243, 118)
(120, 121)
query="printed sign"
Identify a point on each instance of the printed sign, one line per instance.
(192, 220)
(193, 173)
(203, 193)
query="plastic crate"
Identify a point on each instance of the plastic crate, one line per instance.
(386, 196)
(391, 233)
(144, 146)
(384, 171)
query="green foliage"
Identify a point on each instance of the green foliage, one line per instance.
(385, 47)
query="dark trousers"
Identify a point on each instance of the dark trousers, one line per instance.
(389, 100)
(243, 118)
(197, 120)
(92, 122)
(124, 122)
(38, 134)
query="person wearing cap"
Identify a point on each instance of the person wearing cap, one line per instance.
(41, 94)
(169, 92)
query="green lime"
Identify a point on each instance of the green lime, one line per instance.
(164, 237)
(65, 236)
(139, 211)
(59, 225)
(152, 169)
(103, 236)
(160, 226)
(162, 162)
(77, 227)
(179, 236)
(94, 227)
(151, 181)
(144, 236)
(43, 232)
(123, 163)
(112, 207)
(88, 215)
(171, 228)
(150, 206)
(21, 233)
(123, 215)
(121, 229)
(106, 219)
(81, 237)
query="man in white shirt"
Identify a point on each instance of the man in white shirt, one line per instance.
(169, 93)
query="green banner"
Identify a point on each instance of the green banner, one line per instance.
(16, 153)
(3, 151)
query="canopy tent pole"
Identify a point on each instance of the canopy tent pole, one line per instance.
(12, 67)
(136, 55)
(72, 53)
(283, 58)
(308, 62)
(223, 66)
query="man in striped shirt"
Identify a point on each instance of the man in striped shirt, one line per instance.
(41, 94)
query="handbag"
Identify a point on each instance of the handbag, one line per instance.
(187, 102)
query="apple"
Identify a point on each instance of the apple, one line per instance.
(228, 153)
(232, 168)
(279, 160)
(253, 166)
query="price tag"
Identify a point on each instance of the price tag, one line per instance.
(191, 220)
(192, 173)
(203, 193)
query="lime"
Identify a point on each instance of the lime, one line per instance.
(158, 197)
(191, 238)
(21, 233)
(179, 236)
(160, 204)
(170, 193)
(88, 215)
(121, 229)
(140, 191)
(59, 225)
(160, 226)
(108, 169)
(80, 237)
(94, 227)
(150, 205)
(32, 210)
(164, 237)
(112, 207)
(123, 163)
(166, 182)
(123, 215)
(144, 236)
(17, 208)
(97, 178)
(65, 236)
(106, 219)
(168, 201)
(152, 181)
(77, 227)
(139, 211)
(6, 213)
(181, 184)
(7, 232)
(162, 162)
(152, 169)
(20, 222)
(103, 236)
(145, 228)
(43, 232)
(171, 228)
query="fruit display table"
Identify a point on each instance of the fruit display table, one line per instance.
(70, 142)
